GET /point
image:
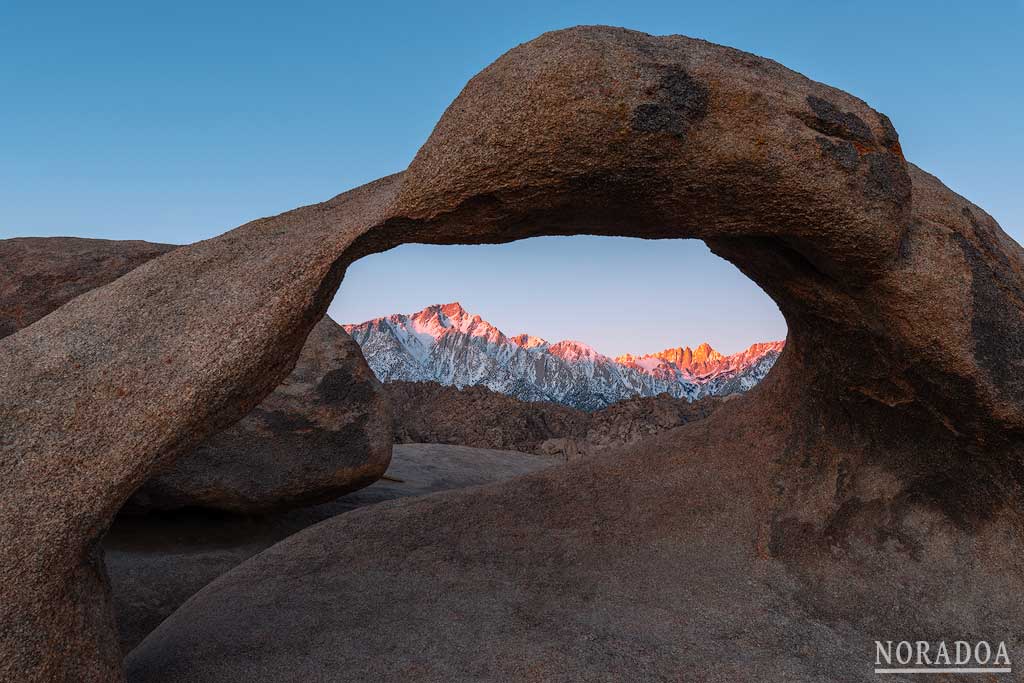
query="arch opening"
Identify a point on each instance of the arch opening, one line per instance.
(632, 311)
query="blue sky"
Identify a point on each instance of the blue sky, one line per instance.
(177, 121)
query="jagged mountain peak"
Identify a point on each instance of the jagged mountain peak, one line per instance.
(528, 341)
(704, 353)
(446, 315)
(453, 309)
(439, 320)
(570, 349)
(453, 314)
(681, 357)
(447, 344)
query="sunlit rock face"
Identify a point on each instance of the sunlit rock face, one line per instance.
(696, 360)
(39, 274)
(448, 345)
(325, 431)
(774, 540)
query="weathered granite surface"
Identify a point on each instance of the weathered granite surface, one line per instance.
(158, 561)
(869, 486)
(40, 274)
(324, 431)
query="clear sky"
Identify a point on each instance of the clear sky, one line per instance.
(174, 122)
(618, 295)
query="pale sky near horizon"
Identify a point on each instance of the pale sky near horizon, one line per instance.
(616, 294)
(173, 122)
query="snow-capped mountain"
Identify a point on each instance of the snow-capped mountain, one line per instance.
(448, 345)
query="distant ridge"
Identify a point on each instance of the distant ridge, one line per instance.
(444, 343)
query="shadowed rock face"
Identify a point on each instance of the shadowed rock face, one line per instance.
(868, 485)
(326, 430)
(158, 561)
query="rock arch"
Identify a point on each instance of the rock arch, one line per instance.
(893, 417)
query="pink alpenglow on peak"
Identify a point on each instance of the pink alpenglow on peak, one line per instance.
(452, 310)
(683, 357)
(704, 361)
(445, 343)
(704, 353)
(572, 350)
(528, 341)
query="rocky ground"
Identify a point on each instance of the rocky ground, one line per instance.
(159, 560)
(476, 416)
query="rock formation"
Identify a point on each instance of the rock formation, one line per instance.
(116, 384)
(156, 562)
(325, 431)
(39, 274)
(869, 487)
(427, 412)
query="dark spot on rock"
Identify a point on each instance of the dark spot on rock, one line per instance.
(679, 102)
(685, 94)
(339, 386)
(903, 249)
(842, 478)
(790, 537)
(651, 117)
(279, 421)
(997, 327)
(986, 232)
(890, 137)
(828, 119)
(843, 152)
(887, 178)
(969, 490)
(971, 218)
(349, 441)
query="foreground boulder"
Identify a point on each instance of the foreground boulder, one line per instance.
(116, 384)
(157, 562)
(869, 486)
(325, 431)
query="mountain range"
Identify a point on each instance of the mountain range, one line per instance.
(444, 343)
